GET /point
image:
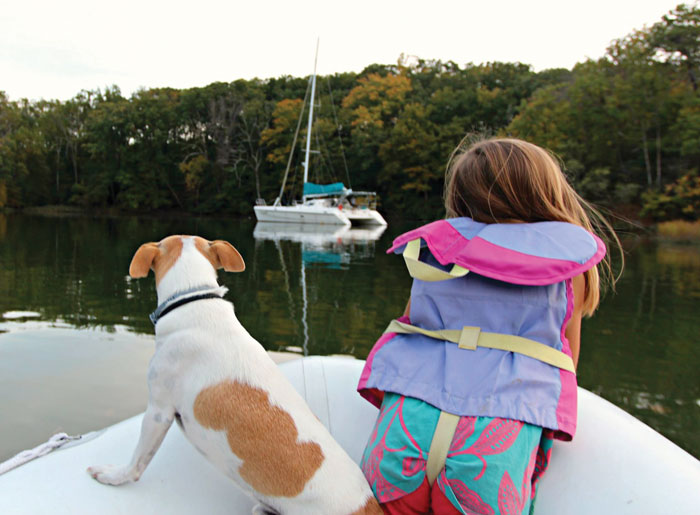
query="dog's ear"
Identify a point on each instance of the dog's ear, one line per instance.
(226, 256)
(142, 261)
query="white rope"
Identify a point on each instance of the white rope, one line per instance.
(56, 441)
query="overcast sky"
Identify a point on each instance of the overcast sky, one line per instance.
(53, 49)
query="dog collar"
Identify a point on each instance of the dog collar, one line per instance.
(185, 297)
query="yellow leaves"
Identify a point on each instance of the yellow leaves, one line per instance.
(486, 96)
(374, 89)
(680, 199)
(377, 100)
(193, 170)
(279, 135)
(362, 117)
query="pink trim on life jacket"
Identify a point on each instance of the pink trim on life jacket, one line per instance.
(566, 406)
(449, 246)
(372, 394)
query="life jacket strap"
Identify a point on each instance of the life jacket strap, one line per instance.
(425, 272)
(440, 445)
(472, 337)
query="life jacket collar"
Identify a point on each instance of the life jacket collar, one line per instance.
(538, 253)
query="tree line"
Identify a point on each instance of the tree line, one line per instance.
(626, 127)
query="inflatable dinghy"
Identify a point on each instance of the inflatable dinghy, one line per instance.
(616, 464)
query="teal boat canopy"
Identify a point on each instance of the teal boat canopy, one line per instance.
(336, 188)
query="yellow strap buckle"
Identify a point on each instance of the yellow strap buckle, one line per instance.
(469, 337)
(425, 272)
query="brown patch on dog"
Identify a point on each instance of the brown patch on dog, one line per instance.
(221, 254)
(262, 435)
(371, 507)
(159, 257)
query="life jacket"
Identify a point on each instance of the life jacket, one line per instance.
(486, 331)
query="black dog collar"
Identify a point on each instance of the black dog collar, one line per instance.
(182, 298)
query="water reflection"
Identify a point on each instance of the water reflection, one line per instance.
(332, 293)
(639, 349)
(326, 246)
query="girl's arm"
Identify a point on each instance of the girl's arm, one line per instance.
(407, 311)
(573, 328)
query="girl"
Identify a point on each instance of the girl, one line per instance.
(478, 376)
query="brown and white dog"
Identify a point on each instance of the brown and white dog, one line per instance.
(229, 397)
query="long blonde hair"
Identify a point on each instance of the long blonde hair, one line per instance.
(507, 180)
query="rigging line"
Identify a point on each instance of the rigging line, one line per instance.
(295, 178)
(325, 162)
(337, 128)
(294, 144)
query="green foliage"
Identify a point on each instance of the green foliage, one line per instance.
(676, 35)
(594, 185)
(626, 122)
(633, 112)
(688, 128)
(542, 119)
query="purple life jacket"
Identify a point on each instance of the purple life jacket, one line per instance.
(519, 283)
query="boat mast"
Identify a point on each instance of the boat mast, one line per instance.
(308, 128)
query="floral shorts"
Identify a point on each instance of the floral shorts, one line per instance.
(492, 466)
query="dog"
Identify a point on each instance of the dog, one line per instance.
(227, 395)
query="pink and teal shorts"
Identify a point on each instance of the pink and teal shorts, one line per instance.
(492, 466)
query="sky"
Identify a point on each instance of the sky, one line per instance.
(53, 49)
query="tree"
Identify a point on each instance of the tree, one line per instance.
(372, 108)
(677, 36)
(24, 171)
(642, 88)
(254, 121)
(109, 131)
(412, 169)
(545, 119)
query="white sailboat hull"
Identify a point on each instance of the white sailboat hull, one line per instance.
(616, 464)
(301, 214)
(359, 216)
(315, 214)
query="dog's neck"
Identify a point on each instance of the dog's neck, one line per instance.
(185, 297)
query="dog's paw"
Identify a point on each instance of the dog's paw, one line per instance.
(110, 474)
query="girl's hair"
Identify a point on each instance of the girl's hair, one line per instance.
(507, 180)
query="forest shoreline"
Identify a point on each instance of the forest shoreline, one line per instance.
(625, 128)
(676, 231)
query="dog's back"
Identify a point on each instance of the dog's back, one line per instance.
(234, 404)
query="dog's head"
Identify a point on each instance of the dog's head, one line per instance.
(195, 259)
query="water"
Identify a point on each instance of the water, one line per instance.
(75, 338)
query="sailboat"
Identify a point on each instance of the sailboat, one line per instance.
(331, 204)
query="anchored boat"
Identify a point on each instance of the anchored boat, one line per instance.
(332, 204)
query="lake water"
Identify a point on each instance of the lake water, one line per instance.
(75, 338)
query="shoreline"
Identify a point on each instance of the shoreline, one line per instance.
(674, 231)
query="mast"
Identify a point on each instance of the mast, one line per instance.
(308, 128)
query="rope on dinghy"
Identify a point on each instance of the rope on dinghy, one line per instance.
(56, 441)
